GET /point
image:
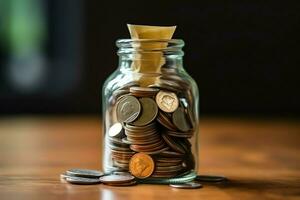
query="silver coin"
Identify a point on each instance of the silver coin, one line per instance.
(210, 178)
(82, 181)
(86, 173)
(64, 176)
(189, 185)
(128, 109)
(115, 130)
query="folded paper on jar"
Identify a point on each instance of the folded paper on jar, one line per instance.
(149, 61)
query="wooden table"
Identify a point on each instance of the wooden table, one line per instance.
(260, 157)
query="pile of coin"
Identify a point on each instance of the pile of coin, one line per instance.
(89, 177)
(82, 176)
(152, 132)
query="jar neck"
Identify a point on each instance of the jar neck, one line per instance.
(149, 56)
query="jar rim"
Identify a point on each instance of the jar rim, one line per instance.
(129, 42)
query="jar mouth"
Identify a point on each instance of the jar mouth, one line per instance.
(138, 45)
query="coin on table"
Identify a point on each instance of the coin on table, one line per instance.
(149, 112)
(115, 130)
(82, 181)
(141, 165)
(210, 178)
(64, 176)
(128, 109)
(117, 178)
(88, 173)
(188, 185)
(180, 120)
(122, 184)
(167, 101)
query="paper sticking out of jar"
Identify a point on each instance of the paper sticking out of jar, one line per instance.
(151, 61)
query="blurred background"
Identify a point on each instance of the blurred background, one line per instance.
(55, 55)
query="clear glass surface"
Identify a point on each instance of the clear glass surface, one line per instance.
(152, 64)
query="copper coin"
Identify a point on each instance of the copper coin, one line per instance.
(115, 178)
(149, 112)
(131, 127)
(180, 134)
(164, 120)
(119, 148)
(148, 147)
(155, 151)
(141, 165)
(169, 160)
(143, 91)
(171, 154)
(167, 101)
(180, 120)
(173, 143)
(128, 109)
(122, 184)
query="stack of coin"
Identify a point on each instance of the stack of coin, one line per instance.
(120, 151)
(82, 176)
(141, 167)
(144, 139)
(155, 124)
(118, 179)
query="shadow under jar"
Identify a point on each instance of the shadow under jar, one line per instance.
(150, 112)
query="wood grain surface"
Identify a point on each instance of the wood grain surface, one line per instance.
(260, 157)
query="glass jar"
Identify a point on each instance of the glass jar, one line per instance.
(150, 113)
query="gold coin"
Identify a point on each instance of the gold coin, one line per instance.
(167, 101)
(141, 165)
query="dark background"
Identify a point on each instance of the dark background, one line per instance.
(244, 56)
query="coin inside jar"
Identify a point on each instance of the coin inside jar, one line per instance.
(143, 91)
(151, 136)
(167, 101)
(180, 120)
(128, 109)
(141, 165)
(149, 112)
(115, 130)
